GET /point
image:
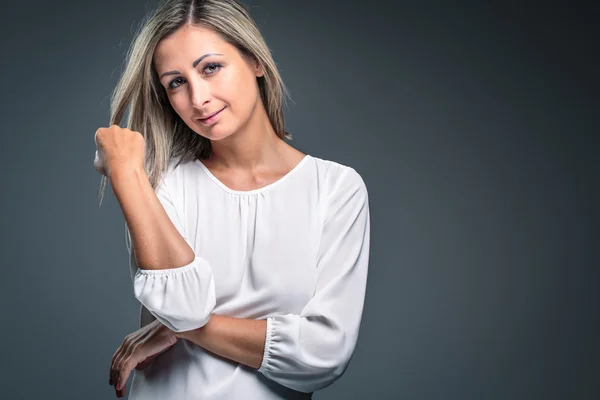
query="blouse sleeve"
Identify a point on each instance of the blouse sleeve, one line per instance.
(309, 351)
(181, 298)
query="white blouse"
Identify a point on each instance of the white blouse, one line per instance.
(294, 252)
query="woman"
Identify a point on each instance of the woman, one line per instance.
(249, 257)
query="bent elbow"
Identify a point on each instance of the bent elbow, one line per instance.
(181, 298)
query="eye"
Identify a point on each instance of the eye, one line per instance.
(211, 68)
(170, 85)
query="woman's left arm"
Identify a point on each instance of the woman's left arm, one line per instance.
(309, 351)
(238, 339)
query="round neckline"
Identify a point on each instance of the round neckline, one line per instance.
(253, 191)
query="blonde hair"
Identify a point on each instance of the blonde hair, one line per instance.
(166, 135)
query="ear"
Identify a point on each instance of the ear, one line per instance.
(253, 63)
(258, 70)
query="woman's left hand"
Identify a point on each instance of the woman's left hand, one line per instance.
(138, 348)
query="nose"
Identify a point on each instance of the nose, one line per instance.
(200, 93)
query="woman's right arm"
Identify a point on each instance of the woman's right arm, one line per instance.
(169, 280)
(157, 242)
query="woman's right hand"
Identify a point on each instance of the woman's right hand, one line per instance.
(137, 351)
(118, 147)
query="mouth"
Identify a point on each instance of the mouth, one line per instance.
(210, 116)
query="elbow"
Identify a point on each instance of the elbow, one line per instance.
(307, 353)
(182, 299)
(326, 375)
(179, 319)
(316, 378)
(312, 368)
(324, 379)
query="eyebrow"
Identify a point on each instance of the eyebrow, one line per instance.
(194, 64)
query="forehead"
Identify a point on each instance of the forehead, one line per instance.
(187, 44)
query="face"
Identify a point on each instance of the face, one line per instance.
(202, 75)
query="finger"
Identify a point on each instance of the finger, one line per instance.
(113, 375)
(120, 392)
(117, 368)
(102, 171)
(98, 164)
(112, 371)
(125, 371)
(127, 354)
(121, 352)
(96, 135)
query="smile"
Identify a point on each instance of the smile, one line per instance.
(212, 118)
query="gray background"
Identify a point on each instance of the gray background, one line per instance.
(474, 127)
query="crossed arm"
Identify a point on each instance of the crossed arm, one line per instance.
(238, 339)
(305, 351)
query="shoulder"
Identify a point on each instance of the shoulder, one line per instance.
(178, 170)
(342, 189)
(338, 178)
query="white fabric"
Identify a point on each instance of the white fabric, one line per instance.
(294, 252)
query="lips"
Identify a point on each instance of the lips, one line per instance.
(211, 115)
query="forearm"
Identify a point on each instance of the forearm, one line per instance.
(157, 243)
(237, 339)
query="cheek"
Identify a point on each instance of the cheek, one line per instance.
(179, 104)
(243, 96)
(239, 84)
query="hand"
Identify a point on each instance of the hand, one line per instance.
(118, 148)
(137, 351)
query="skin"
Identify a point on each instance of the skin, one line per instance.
(246, 154)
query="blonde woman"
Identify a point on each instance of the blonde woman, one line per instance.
(249, 258)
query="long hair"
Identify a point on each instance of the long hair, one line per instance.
(166, 135)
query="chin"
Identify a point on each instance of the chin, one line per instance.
(216, 133)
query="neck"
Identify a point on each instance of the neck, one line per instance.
(254, 145)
